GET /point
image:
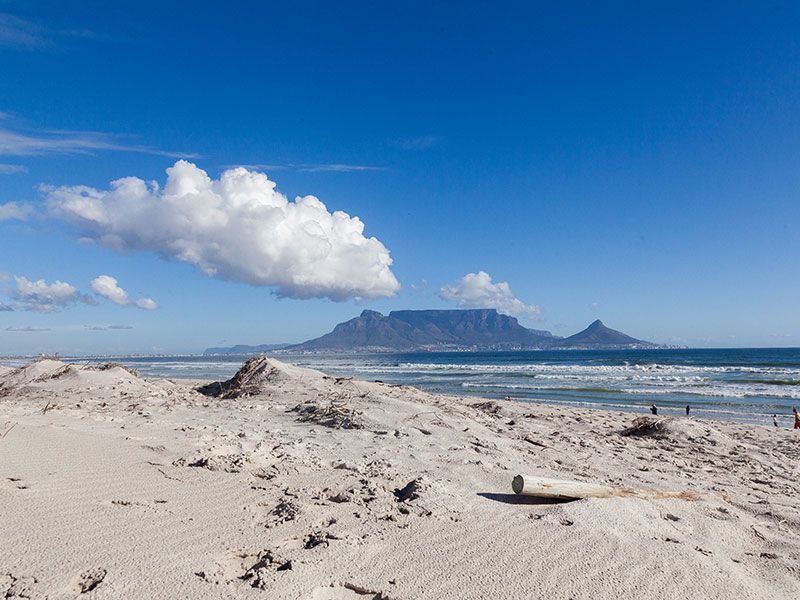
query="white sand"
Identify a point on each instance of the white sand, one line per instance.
(144, 488)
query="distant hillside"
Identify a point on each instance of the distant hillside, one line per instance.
(598, 335)
(244, 349)
(427, 330)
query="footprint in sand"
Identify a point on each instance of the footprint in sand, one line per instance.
(346, 591)
(159, 449)
(258, 570)
(16, 482)
(12, 586)
(88, 580)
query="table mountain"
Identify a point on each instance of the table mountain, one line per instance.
(429, 330)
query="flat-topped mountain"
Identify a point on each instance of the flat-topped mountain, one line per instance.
(430, 330)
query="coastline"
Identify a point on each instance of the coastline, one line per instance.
(744, 385)
(168, 492)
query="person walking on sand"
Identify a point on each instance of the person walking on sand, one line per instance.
(654, 409)
(687, 409)
(775, 420)
(796, 418)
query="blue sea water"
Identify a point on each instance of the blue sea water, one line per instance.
(747, 385)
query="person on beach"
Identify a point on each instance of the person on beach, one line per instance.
(796, 418)
(687, 410)
(654, 409)
(775, 420)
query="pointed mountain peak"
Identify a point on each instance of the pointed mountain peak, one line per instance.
(598, 335)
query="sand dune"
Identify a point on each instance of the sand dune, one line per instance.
(286, 483)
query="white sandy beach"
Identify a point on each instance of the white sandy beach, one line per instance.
(303, 486)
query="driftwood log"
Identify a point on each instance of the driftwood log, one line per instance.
(557, 489)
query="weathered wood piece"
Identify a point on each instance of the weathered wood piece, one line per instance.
(543, 487)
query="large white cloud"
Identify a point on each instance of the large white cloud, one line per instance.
(108, 287)
(237, 228)
(40, 296)
(476, 290)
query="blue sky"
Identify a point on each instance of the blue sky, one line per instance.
(605, 160)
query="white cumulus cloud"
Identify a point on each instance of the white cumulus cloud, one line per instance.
(40, 296)
(476, 290)
(108, 287)
(237, 228)
(146, 304)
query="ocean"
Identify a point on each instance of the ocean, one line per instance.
(748, 385)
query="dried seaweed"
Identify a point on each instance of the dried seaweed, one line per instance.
(645, 426)
(112, 365)
(489, 407)
(333, 414)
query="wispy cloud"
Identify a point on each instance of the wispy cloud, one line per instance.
(24, 34)
(120, 326)
(27, 329)
(7, 169)
(315, 167)
(6, 308)
(38, 143)
(422, 142)
(20, 33)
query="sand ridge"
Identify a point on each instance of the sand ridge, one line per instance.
(287, 483)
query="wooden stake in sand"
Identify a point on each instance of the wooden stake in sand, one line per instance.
(557, 489)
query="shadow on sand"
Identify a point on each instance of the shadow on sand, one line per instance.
(517, 499)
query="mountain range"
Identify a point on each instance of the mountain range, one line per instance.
(443, 330)
(245, 349)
